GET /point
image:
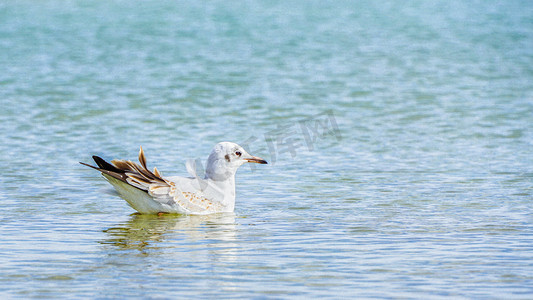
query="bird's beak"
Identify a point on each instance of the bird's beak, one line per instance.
(255, 159)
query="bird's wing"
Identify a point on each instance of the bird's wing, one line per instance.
(172, 193)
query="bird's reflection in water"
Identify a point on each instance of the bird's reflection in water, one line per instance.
(152, 234)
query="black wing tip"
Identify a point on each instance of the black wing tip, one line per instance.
(99, 161)
(102, 164)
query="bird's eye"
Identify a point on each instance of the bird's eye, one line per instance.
(238, 153)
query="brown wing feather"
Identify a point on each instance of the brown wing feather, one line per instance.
(129, 172)
(142, 159)
(143, 171)
(156, 172)
(122, 165)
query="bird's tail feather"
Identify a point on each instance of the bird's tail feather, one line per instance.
(129, 172)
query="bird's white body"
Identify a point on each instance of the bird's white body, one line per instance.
(213, 201)
(150, 193)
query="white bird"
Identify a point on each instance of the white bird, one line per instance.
(151, 193)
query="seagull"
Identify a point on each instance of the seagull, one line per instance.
(151, 193)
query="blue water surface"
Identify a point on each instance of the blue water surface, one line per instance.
(399, 136)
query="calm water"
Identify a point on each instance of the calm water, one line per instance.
(399, 135)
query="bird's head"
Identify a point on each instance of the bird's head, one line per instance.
(226, 158)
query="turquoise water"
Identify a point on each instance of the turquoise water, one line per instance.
(399, 137)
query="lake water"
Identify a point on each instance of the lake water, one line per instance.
(399, 137)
